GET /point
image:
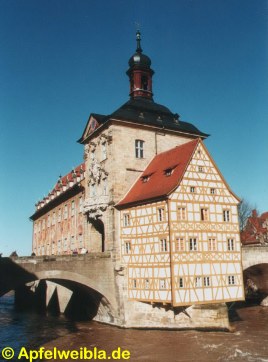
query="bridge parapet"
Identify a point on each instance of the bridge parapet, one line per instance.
(62, 258)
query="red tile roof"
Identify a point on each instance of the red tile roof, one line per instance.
(256, 230)
(154, 183)
(63, 181)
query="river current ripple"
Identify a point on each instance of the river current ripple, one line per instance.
(248, 342)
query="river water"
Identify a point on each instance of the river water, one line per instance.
(248, 341)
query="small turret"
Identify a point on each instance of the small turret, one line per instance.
(140, 73)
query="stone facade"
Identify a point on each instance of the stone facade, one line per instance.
(58, 223)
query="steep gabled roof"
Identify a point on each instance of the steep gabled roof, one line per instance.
(94, 121)
(162, 175)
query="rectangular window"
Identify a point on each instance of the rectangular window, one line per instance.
(226, 215)
(72, 208)
(53, 218)
(92, 190)
(48, 221)
(163, 245)
(212, 191)
(147, 284)
(134, 283)
(230, 244)
(160, 214)
(72, 242)
(80, 204)
(204, 215)
(127, 247)
(162, 284)
(181, 284)
(231, 279)
(180, 244)
(139, 148)
(206, 281)
(212, 245)
(126, 220)
(192, 189)
(104, 151)
(193, 244)
(200, 169)
(181, 213)
(65, 212)
(59, 215)
(65, 244)
(198, 282)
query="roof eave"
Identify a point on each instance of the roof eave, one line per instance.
(131, 204)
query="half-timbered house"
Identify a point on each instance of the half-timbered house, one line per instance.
(179, 231)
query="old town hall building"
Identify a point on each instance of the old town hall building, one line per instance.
(149, 192)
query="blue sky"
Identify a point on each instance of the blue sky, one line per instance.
(61, 60)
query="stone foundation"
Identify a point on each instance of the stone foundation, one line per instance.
(145, 315)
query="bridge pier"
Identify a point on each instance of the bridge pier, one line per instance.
(57, 297)
(264, 302)
(31, 296)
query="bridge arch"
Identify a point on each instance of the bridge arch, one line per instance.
(105, 309)
(95, 291)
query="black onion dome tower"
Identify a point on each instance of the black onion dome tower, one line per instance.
(141, 108)
(140, 73)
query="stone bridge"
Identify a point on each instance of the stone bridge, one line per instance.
(254, 255)
(75, 278)
(94, 285)
(255, 266)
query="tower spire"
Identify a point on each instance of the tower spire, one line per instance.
(138, 39)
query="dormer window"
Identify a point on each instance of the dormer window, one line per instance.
(168, 171)
(145, 178)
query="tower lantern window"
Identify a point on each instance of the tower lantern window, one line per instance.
(144, 82)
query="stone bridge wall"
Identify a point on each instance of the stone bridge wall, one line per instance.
(254, 255)
(95, 271)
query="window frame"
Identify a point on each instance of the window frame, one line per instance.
(231, 280)
(163, 245)
(207, 281)
(230, 244)
(181, 213)
(160, 214)
(126, 219)
(127, 247)
(226, 214)
(139, 148)
(180, 244)
(204, 214)
(193, 244)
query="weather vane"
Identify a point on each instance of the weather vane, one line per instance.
(138, 26)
